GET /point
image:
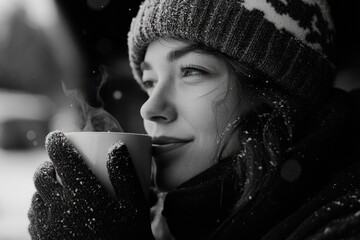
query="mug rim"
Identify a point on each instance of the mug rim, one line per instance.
(102, 133)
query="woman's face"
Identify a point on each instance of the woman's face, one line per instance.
(192, 98)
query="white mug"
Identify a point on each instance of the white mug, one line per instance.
(94, 147)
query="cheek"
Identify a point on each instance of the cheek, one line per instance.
(210, 113)
(200, 114)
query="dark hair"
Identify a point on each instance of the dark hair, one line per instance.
(266, 132)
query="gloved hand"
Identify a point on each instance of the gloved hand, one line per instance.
(81, 208)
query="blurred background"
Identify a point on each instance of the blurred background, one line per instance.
(44, 43)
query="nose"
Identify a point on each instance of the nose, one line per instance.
(160, 106)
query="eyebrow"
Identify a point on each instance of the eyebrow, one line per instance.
(180, 52)
(145, 66)
(175, 54)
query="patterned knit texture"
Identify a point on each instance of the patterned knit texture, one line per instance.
(289, 41)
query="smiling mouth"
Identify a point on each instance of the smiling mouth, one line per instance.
(169, 145)
(163, 145)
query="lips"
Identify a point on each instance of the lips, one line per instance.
(165, 144)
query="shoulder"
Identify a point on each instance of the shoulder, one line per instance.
(333, 214)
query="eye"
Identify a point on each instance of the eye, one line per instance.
(192, 70)
(148, 84)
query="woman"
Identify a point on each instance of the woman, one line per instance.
(245, 128)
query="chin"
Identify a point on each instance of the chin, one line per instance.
(164, 183)
(171, 174)
(166, 180)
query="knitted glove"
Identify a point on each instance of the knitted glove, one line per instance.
(81, 208)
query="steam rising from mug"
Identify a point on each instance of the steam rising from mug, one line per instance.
(93, 119)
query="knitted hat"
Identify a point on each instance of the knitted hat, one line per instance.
(289, 41)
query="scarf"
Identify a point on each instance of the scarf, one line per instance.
(197, 207)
